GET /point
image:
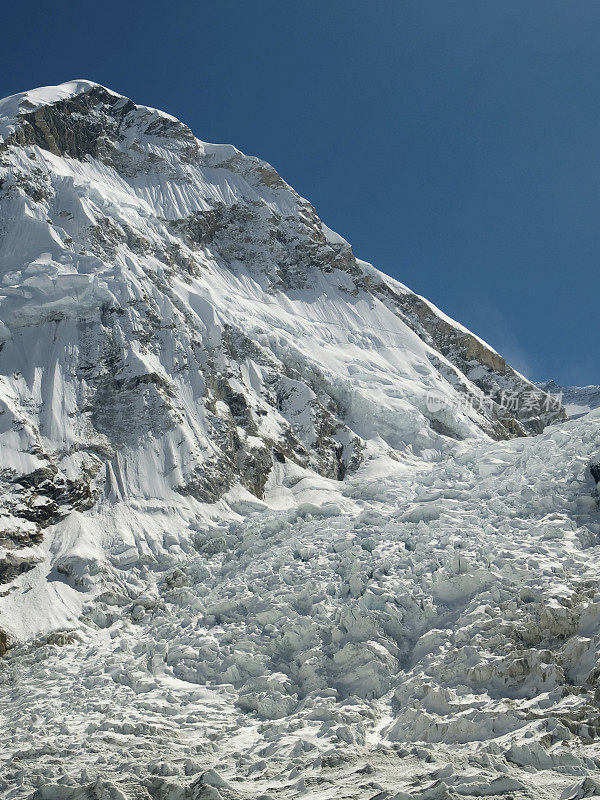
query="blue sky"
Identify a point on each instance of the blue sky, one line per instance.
(454, 143)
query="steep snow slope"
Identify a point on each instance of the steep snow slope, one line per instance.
(254, 518)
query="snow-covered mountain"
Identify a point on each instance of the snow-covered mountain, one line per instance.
(264, 508)
(576, 400)
(178, 326)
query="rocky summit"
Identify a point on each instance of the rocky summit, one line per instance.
(272, 524)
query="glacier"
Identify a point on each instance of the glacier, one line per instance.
(273, 525)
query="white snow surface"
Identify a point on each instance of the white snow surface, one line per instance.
(240, 555)
(429, 632)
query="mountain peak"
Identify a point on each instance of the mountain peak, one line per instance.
(14, 105)
(19, 108)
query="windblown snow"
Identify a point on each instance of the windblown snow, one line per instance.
(273, 525)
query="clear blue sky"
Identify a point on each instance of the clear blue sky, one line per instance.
(454, 143)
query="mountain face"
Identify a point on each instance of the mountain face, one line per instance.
(177, 323)
(272, 524)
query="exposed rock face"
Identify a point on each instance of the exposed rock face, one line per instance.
(72, 127)
(595, 470)
(32, 502)
(90, 123)
(529, 412)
